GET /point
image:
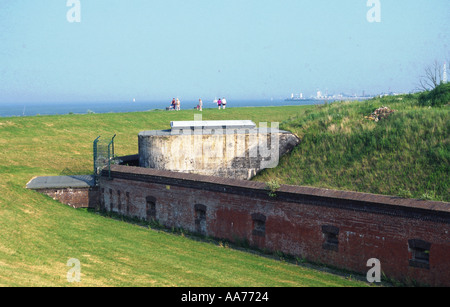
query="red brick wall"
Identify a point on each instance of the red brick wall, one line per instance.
(365, 226)
(74, 197)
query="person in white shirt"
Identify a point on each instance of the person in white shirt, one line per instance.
(224, 103)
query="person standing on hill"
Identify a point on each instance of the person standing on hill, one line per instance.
(178, 104)
(200, 105)
(219, 103)
(224, 103)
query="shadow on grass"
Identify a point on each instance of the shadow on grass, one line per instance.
(241, 244)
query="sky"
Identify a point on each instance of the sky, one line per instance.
(238, 49)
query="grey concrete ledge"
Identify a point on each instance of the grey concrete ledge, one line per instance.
(212, 131)
(58, 182)
(213, 124)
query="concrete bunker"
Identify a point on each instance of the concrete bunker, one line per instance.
(235, 149)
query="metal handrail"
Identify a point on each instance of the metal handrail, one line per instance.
(111, 156)
(95, 159)
(110, 145)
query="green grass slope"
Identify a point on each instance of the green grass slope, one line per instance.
(406, 154)
(39, 235)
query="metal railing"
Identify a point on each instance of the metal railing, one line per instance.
(103, 155)
(110, 154)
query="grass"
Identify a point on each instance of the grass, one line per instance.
(39, 235)
(406, 155)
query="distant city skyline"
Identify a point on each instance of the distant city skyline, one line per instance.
(111, 50)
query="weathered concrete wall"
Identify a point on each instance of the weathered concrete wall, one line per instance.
(343, 229)
(230, 153)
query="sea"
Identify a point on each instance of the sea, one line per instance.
(52, 108)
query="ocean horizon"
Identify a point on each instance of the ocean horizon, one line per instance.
(55, 108)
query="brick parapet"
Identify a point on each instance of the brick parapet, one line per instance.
(339, 228)
(355, 201)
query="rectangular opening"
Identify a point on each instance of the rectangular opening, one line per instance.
(111, 205)
(259, 224)
(331, 240)
(420, 251)
(119, 202)
(151, 208)
(200, 218)
(127, 194)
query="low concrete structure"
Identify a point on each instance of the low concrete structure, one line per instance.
(78, 191)
(230, 149)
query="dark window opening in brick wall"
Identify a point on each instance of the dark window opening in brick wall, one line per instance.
(127, 195)
(119, 202)
(259, 224)
(200, 218)
(150, 208)
(420, 253)
(102, 199)
(330, 234)
(110, 200)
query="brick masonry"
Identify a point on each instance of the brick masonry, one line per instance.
(75, 197)
(342, 229)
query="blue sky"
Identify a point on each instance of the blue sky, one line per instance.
(241, 49)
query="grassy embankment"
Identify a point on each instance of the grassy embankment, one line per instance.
(39, 235)
(407, 154)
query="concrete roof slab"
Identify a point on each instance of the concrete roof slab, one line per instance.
(53, 182)
(213, 124)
